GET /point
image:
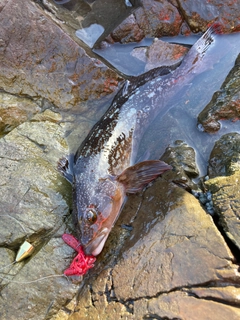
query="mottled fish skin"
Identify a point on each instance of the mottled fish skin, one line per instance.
(103, 168)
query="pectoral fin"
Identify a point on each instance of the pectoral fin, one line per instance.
(134, 178)
(65, 167)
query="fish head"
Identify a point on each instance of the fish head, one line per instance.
(98, 201)
(97, 212)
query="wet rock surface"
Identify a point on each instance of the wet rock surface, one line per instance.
(225, 103)
(229, 146)
(224, 185)
(213, 11)
(165, 258)
(152, 19)
(183, 160)
(40, 55)
(160, 54)
(160, 18)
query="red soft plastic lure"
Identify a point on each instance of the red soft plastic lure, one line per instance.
(81, 263)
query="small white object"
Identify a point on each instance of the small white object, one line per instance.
(25, 250)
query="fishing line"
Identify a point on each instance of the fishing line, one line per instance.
(7, 215)
(27, 249)
(8, 265)
(36, 280)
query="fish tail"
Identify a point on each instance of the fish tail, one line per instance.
(208, 39)
(216, 28)
(195, 61)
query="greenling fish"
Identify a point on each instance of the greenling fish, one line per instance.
(104, 168)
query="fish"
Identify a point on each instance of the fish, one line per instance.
(105, 169)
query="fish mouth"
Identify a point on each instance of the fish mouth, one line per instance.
(95, 246)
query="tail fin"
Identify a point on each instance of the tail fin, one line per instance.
(193, 60)
(203, 44)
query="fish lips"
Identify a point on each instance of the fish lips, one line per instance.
(95, 246)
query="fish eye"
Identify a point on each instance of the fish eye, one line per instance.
(91, 216)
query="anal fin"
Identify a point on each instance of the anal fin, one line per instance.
(134, 178)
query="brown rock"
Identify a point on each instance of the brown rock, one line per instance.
(40, 60)
(182, 247)
(158, 18)
(14, 111)
(224, 168)
(128, 31)
(152, 19)
(159, 54)
(230, 294)
(174, 244)
(180, 305)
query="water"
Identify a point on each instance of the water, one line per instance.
(120, 55)
(180, 123)
(91, 34)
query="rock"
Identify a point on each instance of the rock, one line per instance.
(180, 305)
(43, 62)
(127, 31)
(7, 259)
(182, 158)
(226, 203)
(158, 19)
(165, 257)
(156, 248)
(33, 206)
(225, 156)
(221, 294)
(165, 18)
(174, 245)
(152, 19)
(14, 111)
(25, 294)
(160, 53)
(224, 170)
(48, 115)
(225, 103)
(199, 15)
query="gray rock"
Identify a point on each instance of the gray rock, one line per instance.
(225, 156)
(33, 205)
(182, 158)
(224, 104)
(226, 203)
(224, 169)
